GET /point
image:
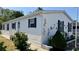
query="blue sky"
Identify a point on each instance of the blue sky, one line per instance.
(72, 11)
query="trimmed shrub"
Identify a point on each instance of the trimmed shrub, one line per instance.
(2, 47)
(58, 42)
(50, 41)
(20, 41)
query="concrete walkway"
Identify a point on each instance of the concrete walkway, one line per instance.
(37, 47)
(6, 36)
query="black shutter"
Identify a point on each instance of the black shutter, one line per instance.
(69, 27)
(59, 25)
(14, 25)
(7, 26)
(34, 22)
(62, 28)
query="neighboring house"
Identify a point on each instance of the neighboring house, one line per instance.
(39, 25)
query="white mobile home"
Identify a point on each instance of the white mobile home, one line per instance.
(39, 25)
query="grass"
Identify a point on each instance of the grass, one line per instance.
(8, 43)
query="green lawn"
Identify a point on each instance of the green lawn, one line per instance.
(8, 43)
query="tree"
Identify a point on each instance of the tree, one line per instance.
(6, 14)
(58, 42)
(20, 41)
(17, 14)
(39, 8)
(2, 47)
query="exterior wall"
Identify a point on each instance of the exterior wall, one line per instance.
(34, 34)
(42, 32)
(9, 32)
(52, 21)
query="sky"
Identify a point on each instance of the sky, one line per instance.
(71, 11)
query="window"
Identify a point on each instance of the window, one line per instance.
(3, 27)
(13, 25)
(60, 26)
(7, 26)
(69, 27)
(32, 23)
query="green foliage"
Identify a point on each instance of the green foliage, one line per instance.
(7, 14)
(39, 8)
(20, 41)
(58, 41)
(2, 47)
(17, 14)
(50, 41)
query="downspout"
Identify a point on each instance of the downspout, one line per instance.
(76, 31)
